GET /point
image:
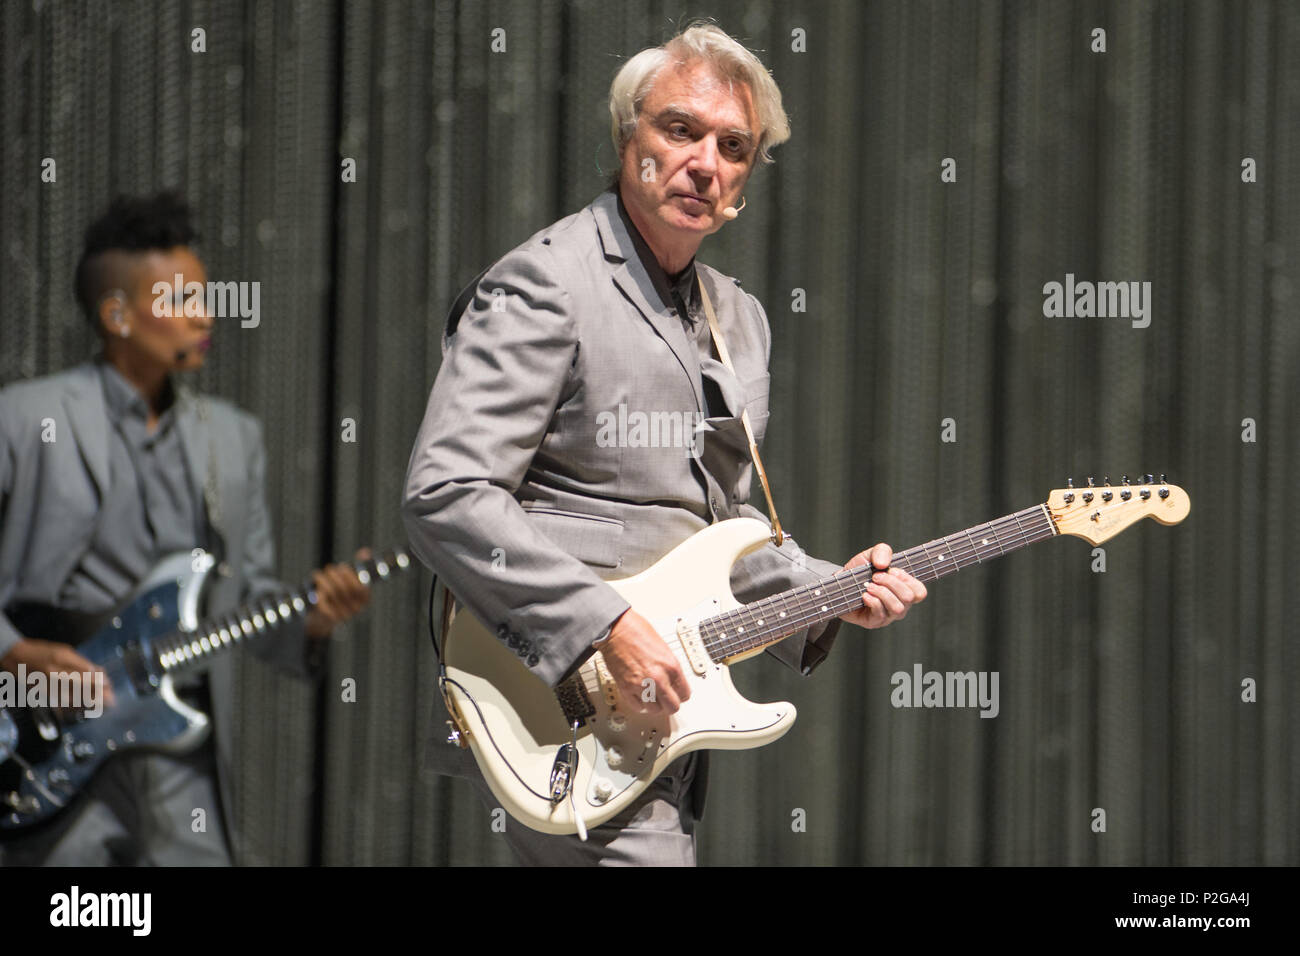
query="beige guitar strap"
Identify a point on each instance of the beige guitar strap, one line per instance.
(777, 534)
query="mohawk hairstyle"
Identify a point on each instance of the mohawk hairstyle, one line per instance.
(131, 224)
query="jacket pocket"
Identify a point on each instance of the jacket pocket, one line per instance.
(592, 539)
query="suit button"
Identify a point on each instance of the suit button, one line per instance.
(533, 660)
(503, 632)
(513, 639)
(713, 503)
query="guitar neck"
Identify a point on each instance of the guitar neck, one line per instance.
(775, 618)
(181, 651)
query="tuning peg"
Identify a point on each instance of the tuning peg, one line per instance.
(1164, 492)
(1150, 478)
(1087, 495)
(1090, 481)
(1125, 494)
(1069, 495)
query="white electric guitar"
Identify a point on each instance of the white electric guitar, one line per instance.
(561, 760)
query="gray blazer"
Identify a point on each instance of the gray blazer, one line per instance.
(518, 500)
(49, 501)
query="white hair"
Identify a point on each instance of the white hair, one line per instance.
(706, 43)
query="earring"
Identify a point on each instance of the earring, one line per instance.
(123, 329)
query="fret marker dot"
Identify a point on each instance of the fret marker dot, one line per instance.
(741, 629)
(782, 614)
(760, 622)
(818, 592)
(941, 557)
(985, 541)
(823, 607)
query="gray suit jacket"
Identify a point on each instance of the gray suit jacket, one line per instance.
(516, 498)
(49, 500)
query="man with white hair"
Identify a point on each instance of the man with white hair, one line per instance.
(519, 502)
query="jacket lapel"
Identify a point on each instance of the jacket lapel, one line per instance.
(634, 282)
(193, 428)
(88, 422)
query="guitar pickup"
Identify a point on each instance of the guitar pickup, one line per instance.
(689, 635)
(137, 668)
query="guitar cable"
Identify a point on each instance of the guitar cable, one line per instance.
(433, 638)
(444, 680)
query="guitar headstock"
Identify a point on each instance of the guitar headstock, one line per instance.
(1101, 512)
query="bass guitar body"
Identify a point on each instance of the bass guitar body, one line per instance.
(155, 639)
(51, 758)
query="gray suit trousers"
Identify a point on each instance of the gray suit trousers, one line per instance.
(137, 811)
(658, 829)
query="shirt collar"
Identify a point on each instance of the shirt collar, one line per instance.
(121, 398)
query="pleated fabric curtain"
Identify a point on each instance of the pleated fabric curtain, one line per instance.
(917, 385)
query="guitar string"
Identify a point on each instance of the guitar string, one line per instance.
(844, 591)
(806, 603)
(239, 624)
(1041, 526)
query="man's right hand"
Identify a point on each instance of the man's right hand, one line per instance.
(645, 669)
(52, 658)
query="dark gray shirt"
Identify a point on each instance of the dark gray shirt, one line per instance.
(149, 509)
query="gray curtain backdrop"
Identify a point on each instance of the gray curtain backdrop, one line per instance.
(1119, 690)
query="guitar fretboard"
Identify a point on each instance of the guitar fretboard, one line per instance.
(182, 650)
(777, 617)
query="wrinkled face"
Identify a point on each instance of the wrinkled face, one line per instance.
(693, 149)
(161, 334)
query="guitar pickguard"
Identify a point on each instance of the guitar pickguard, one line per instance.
(627, 742)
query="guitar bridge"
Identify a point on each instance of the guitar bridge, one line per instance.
(577, 706)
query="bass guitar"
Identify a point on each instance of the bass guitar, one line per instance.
(48, 755)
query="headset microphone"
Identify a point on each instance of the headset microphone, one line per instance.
(731, 212)
(182, 355)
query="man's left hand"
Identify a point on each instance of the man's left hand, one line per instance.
(340, 595)
(890, 593)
